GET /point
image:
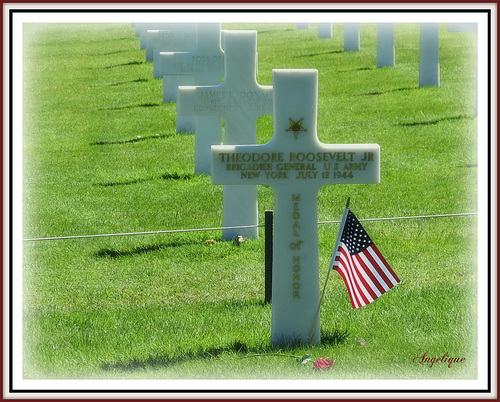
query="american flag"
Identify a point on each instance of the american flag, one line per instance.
(364, 270)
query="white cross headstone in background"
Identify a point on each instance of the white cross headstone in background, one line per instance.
(429, 75)
(385, 45)
(141, 29)
(351, 36)
(296, 164)
(240, 100)
(206, 65)
(325, 30)
(180, 39)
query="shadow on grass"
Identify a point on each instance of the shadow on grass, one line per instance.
(112, 39)
(388, 91)
(127, 82)
(164, 361)
(127, 252)
(436, 121)
(356, 69)
(116, 253)
(131, 63)
(236, 347)
(132, 106)
(321, 54)
(276, 30)
(337, 337)
(165, 176)
(133, 140)
(112, 53)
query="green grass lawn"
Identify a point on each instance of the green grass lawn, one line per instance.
(174, 306)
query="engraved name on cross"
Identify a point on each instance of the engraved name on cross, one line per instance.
(296, 164)
(240, 100)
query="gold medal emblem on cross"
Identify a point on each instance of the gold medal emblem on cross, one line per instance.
(296, 126)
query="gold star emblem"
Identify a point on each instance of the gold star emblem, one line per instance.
(296, 127)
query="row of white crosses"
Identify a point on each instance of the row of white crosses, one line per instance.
(204, 65)
(240, 101)
(385, 39)
(295, 163)
(351, 33)
(429, 46)
(182, 37)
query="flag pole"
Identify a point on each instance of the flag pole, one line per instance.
(337, 241)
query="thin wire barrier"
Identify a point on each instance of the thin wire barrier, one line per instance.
(233, 227)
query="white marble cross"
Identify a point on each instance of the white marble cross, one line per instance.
(205, 64)
(296, 164)
(385, 45)
(351, 36)
(429, 75)
(240, 100)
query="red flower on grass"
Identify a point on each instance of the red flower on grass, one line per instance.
(323, 364)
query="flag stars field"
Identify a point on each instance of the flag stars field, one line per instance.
(363, 268)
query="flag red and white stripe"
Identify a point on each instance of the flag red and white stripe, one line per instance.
(364, 270)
